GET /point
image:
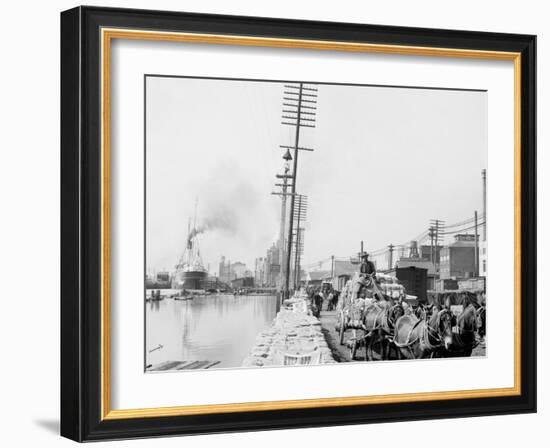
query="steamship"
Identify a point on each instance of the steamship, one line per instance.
(190, 272)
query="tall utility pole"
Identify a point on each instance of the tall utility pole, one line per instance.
(431, 233)
(436, 228)
(282, 225)
(300, 215)
(282, 234)
(298, 250)
(476, 252)
(298, 111)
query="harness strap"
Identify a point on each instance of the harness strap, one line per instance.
(434, 333)
(375, 327)
(424, 337)
(409, 342)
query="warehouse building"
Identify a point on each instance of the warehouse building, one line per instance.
(458, 260)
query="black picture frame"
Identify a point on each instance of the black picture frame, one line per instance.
(81, 224)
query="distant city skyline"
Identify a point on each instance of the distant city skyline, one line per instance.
(386, 161)
(213, 270)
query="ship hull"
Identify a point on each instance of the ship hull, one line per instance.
(191, 280)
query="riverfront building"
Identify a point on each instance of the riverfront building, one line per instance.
(272, 266)
(259, 271)
(238, 270)
(224, 270)
(228, 271)
(458, 260)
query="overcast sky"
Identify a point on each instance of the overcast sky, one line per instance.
(386, 161)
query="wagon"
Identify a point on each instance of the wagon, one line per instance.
(357, 297)
(351, 308)
(351, 318)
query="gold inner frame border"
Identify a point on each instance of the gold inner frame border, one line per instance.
(107, 35)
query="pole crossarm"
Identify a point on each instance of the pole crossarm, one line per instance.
(309, 95)
(287, 117)
(299, 148)
(308, 89)
(288, 111)
(302, 107)
(297, 125)
(278, 193)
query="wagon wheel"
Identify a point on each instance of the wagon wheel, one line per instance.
(353, 347)
(392, 349)
(375, 348)
(369, 355)
(342, 329)
(368, 347)
(353, 350)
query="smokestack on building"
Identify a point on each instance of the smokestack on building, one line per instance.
(413, 252)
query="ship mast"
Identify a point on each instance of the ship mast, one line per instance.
(195, 217)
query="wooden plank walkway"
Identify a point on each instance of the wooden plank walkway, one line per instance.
(182, 365)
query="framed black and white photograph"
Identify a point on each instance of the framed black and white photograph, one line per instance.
(257, 246)
(275, 224)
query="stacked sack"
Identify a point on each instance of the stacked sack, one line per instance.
(292, 335)
(389, 286)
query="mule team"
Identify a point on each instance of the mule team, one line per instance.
(391, 328)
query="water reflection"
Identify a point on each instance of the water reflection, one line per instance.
(212, 328)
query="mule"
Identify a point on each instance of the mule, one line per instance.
(424, 311)
(482, 321)
(379, 324)
(465, 338)
(420, 338)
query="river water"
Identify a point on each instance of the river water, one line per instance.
(210, 328)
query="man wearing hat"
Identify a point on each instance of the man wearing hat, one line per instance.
(367, 266)
(366, 274)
